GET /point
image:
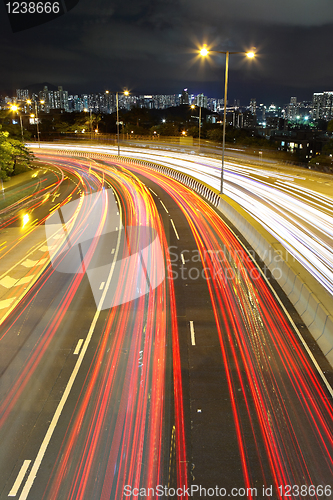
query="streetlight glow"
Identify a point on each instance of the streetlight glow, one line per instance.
(204, 51)
(14, 107)
(126, 92)
(250, 55)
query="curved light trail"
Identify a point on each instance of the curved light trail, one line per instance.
(280, 390)
(119, 429)
(301, 218)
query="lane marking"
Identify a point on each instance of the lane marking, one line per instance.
(24, 280)
(6, 303)
(183, 260)
(29, 263)
(19, 478)
(112, 251)
(8, 282)
(192, 333)
(165, 208)
(42, 450)
(153, 192)
(102, 285)
(78, 346)
(174, 228)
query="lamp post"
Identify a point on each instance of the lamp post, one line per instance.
(36, 118)
(90, 120)
(199, 118)
(204, 52)
(126, 93)
(15, 108)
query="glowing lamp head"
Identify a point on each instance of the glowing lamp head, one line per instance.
(192, 106)
(42, 102)
(28, 101)
(14, 107)
(126, 92)
(204, 51)
(250, 55)
(25, 219)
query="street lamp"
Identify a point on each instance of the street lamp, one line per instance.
(126, 93)
(193, 107)
(90, 121)
(204, 52)
(36, 118)
(15, 108)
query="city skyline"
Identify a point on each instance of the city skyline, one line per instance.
(319, 107)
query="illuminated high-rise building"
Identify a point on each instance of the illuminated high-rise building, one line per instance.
(322, 105)
(22, 94)
(184, 99)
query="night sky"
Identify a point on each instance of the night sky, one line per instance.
(150, 47)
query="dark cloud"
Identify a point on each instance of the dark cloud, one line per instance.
(150, 47)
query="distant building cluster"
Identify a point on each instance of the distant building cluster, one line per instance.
(248, 116)
(48, 100)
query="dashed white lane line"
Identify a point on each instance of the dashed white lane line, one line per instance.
(165, 208)
(174, 228)
(192, 333)
(102, 285)
(6, 303)
(183, 259)
(153, 192)
(78, 346)
(19, 478)
(112, 251)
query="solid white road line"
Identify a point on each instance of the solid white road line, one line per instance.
(182, 257)
(192, 333)
(78, 346)
(19, 478)
(56, 416)
(174, 228)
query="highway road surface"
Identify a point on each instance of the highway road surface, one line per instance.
(149, 350)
